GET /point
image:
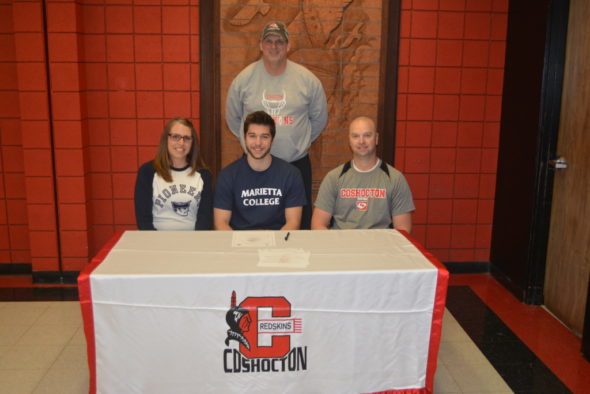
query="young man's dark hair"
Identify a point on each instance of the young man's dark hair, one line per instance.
(260, 118)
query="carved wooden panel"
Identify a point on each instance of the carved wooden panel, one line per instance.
(339, 41)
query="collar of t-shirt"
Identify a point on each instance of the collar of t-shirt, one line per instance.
(370, 169)
(180, 169)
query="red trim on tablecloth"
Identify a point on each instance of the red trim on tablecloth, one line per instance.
(102, 253)
(405, 391)
(85, 294)
(440, 297)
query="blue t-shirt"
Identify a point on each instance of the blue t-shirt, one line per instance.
(258, 199)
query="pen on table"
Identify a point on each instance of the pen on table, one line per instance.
(287, 236)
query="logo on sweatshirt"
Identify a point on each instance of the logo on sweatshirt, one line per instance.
(273, 104)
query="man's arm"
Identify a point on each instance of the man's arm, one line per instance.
(325, 203)
(320, 219)
(233, 109)
(402, 222)
(221, 218)
(292, 218)
(318, 112)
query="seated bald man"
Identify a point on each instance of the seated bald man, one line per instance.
(365, 192)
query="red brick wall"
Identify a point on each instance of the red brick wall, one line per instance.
(450, 87)
(72, 138)
(139, 66)
(26, 154)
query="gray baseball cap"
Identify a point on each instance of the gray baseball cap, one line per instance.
(276, 28)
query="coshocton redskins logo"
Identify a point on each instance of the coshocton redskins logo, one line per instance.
(362, 205)
(262, 328)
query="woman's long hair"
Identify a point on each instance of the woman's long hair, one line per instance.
(161, 162)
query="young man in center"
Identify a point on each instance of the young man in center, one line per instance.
(259, 191)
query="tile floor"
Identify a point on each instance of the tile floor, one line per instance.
(491, 342)
(462, 368)
(43, 350)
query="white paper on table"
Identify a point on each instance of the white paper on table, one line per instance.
(284, 257)
(253, 239)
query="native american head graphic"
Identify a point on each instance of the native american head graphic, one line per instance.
(238, 319)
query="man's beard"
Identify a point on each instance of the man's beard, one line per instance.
(258, 158)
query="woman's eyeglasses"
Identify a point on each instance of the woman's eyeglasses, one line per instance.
(178, 137)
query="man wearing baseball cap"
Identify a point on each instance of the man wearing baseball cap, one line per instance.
(287, 91)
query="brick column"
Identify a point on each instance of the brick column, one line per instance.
(69, 140)
(36, 135)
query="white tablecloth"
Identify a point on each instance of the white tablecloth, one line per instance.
(318, 312)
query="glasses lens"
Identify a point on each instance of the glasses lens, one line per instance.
(178, 137)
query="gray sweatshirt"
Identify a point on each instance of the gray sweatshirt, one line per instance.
(295, 99)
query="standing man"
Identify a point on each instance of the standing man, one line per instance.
(290, 93)
(258, 191)
(364, 192)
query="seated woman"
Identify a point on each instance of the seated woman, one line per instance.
(173, 191)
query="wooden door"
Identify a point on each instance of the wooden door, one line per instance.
(568, 256)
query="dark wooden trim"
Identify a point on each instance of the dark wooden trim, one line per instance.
(586, 330)
(550, 112)
(531, 103)
(210, 85)
(387, 112)
(211, 118)
(508, 282)
(52, 150)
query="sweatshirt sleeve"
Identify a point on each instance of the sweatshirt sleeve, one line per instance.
(205, 212)
(318, 110)
(234, 108)
(143, 197)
